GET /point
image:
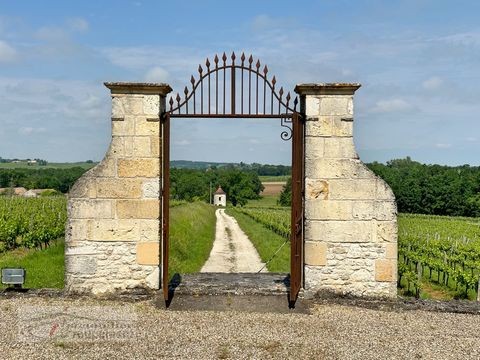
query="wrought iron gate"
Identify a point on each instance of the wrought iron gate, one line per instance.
(239, 90)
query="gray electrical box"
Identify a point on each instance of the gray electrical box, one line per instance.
(12, 276)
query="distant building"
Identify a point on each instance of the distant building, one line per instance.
(220, 197)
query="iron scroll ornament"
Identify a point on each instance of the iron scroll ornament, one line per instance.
(249, 87)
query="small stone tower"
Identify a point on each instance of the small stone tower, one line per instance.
(220, 197)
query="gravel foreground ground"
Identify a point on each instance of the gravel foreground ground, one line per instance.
(81, 328)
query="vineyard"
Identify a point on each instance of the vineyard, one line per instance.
(440, 250)
(31, 222)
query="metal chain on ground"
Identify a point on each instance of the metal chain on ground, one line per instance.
(273, 256)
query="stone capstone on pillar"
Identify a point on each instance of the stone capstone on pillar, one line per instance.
(112, 235)
(350, 213)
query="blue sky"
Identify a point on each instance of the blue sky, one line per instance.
(418, 62)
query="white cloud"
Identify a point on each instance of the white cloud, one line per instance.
(78, 24)
(432, 83)
(157, 74)
(7, 52)
(443, 146)
(51, 33)
(391, 105)
(183, 142)
(28, 130)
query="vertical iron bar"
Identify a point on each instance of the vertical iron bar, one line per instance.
(165, 203)
(209, 91)
(264, 94)
(249, 92)
(201, 95)
(216, 92)
(241, 106)
(233, 88)
(224, 70)
(256, 95)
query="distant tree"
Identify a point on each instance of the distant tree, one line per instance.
(285, 198)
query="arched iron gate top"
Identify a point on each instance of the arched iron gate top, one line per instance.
(251, 95)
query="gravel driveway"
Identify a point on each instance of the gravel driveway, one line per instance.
(81, 328)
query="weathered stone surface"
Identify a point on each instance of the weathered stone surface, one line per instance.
(125, 127)
(385, 270)
(115, 188)
(336, 105)
(315, 253)
(148, 253)
(320, 209)
(352, 189)
(90, 208)
(391, 250)
(316, 189)
(143, 167)
(137, 146)
(387, 231)
(106, 168)
(133, 104)
(339, 231)
(151, 188)
(151, 105)
(81, 264)
(379, 210)
(155, 146)
(85, 187)
(147, 128)
(335, 169)
(114, 230)
(138, 209)
(312, 107)
(339, 148)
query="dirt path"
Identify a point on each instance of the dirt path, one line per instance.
(232, 251)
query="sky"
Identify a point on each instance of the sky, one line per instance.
(418, 62)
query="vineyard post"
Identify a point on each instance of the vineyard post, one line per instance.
(478, 290)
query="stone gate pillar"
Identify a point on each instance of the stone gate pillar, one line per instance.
(350, 213)
(112, 236)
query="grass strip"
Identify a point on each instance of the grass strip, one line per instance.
(265, 241)
(45, 268)
(192, 232)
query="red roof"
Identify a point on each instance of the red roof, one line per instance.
(219, 191)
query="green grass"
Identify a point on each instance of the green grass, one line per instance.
(24, 165)
(279, 178)
(192, 232)
(45, 268)
(264, 201)
(265, 241)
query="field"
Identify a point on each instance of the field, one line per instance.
(24, 165)
(439, 257)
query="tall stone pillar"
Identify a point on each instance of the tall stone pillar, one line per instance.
(350, 213)
(112, 236)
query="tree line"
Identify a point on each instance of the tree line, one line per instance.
(49, 178)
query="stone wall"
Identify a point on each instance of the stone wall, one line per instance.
(350, 213)
(112, 235)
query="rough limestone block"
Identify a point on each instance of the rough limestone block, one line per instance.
(319, 126)
(383, 191)
(114, 230)
(125, 127)
(133, 104)
(77, 229)
(319, 209)
(149, 230)
(90, 208)
(386, 231)
(336, 105)
(138, 167)
(348, 189)
(118, 111)
(316, 189)
(379, 210)
(315, 253)
(335, 168)
(312, 106)
(151, 105)
(148, 253)
(84, 265)
(339, 231)
(137, 146)
(391, 251)
(153, 279)
(85, 187)
(118, 188)
(138, 209)
(154, 146)
(151, 188)
(106, 168)
(314, 148)
(117, 147)
(342, 126)
(339, 148)
(385, 270)
(143, 127)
